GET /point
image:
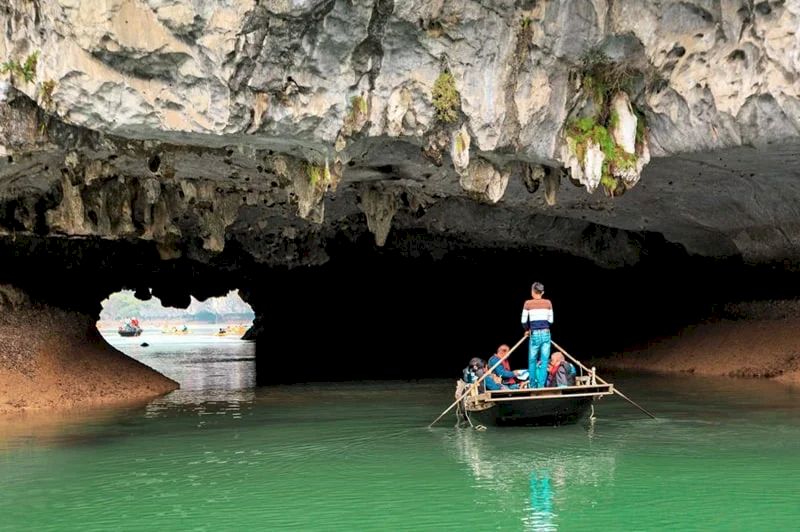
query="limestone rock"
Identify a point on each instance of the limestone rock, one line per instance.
(587, 171)
(485, 181)
(380, 207)
(623, 123)
(592, 166)
(170, 118)
(459, 150)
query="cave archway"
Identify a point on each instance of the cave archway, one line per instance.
(199, 346)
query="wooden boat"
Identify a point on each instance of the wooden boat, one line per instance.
(129, 332)
(534, 406)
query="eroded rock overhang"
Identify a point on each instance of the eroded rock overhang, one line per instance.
(275, 128)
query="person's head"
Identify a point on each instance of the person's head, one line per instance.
(475, 363)
(502, 350)
(556, 358)
(537, 290)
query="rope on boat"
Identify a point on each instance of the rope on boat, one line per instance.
(462, 412)
(596, 378)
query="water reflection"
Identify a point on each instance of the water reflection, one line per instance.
(214, 372)
(541, 515)
(532, 472)
(217, 378)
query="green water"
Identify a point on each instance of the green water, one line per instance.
(216, 456)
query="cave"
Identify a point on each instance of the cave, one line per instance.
(386, 218)
(436, 284)
(418, 307)
(383, 181)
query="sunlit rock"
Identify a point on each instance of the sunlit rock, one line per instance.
(459, 150)
(484, 181)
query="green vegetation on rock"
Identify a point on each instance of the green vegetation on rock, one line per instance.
(358, 105)
(446, 98)
(26, 70)
(601, 80)
(584, 130)
(319, 176)
(314, 173)
(46, 93)
(461, 144)
(356, 117)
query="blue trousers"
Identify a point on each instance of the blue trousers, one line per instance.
(538, 356)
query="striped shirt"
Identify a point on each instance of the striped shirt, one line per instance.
(537, 314)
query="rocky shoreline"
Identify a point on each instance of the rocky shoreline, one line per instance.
(53, 359)
(750, 340)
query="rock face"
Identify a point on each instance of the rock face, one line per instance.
(149, 112)
(54, 358)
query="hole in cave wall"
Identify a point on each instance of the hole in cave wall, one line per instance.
(200, 346)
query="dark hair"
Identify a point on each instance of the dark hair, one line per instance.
(476, 362)
(537, 287)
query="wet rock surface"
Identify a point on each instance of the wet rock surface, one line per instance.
(53, 358)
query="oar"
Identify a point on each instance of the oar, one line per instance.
(604, 382)
(477, 382)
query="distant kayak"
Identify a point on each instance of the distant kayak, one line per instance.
(232, 330)
(175, 331)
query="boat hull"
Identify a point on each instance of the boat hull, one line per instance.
(538, 406)
(551, 412)
(130, 333)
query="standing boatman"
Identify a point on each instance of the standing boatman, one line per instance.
(537, 315)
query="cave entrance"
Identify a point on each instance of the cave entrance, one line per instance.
(385, 316)
(201, 347)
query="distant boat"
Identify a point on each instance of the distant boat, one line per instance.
(232, 330)
(175, 330)
(129, 331)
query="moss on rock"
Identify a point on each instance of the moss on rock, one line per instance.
(446, 98)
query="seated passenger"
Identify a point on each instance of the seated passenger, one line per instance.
(509, 377)
(560, 373)
(470, 373)
(475, 370)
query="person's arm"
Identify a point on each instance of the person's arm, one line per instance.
(500, 370)
(525, 318)
(550, 314)
(491, 385)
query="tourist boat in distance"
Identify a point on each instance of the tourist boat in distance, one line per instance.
(129, 331)
(175, 330)
(534, 406)
(231, 330)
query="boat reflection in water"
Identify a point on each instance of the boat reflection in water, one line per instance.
(538, 475)
(541, 514)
